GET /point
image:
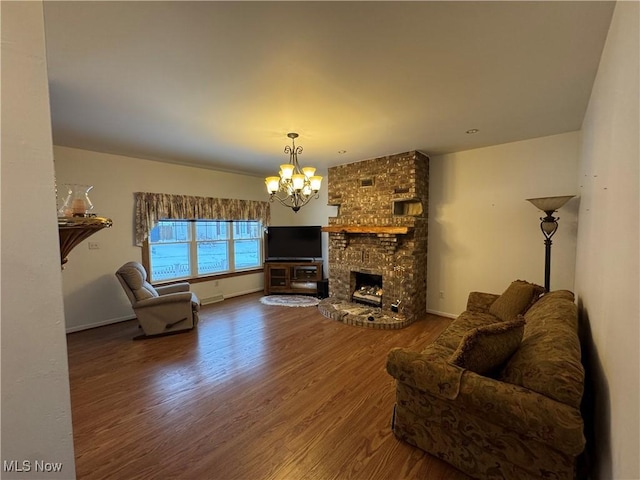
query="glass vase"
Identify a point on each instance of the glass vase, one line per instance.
(76, 202)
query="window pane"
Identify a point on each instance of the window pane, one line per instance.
(170, 231)
(209, 231)
(246, 229)
(176, 247)
(246, 253)
(170, 261)
(213, 257)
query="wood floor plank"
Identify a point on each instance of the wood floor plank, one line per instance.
(255, 392)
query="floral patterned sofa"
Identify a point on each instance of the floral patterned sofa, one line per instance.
(497, 395)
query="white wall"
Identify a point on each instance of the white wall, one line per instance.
(36, 409)
(92, 294)
(482, 232)
(607, 273)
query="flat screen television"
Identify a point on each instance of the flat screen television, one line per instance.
(293, 243)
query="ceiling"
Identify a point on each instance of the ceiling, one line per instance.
(220, 84)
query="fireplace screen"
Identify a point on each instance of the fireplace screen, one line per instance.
(367, 288)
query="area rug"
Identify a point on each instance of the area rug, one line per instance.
(290, 300)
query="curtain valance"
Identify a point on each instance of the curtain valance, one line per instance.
(152, 207)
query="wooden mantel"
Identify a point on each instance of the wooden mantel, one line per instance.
(393, 230)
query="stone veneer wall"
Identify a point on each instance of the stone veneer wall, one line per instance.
(390, 191)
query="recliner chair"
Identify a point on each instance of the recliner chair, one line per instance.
(160, 310)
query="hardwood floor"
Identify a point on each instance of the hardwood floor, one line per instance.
(255, 392)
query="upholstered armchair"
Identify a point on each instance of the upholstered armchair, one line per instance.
(160, 310)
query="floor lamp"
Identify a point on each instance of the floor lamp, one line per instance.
(549, 225)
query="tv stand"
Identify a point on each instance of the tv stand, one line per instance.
(300, 277)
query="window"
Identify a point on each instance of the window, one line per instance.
(180, 249)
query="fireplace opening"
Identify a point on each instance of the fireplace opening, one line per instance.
(367, 288)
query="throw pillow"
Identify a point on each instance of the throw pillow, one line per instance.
(484, 349)
(515, 300)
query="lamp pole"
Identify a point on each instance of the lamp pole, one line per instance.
(549, 226)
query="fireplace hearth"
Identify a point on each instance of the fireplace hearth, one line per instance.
(360, 315)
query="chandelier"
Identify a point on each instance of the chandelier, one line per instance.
(295, 186)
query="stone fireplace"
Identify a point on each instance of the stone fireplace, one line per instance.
(380, 233)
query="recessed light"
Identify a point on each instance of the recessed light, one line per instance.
(471, 131)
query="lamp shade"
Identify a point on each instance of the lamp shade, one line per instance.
(550, 204)
(273, 183)
(298, 181)
(287, 170)
(316, 181)
(308, 171)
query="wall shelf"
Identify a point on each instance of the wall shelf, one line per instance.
(73, 230)
(410, 206)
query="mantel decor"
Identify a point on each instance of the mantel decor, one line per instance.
(294, 186)
(549, 226)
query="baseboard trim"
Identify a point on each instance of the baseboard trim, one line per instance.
(246, 292)
(442, 314)
(79, 328)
